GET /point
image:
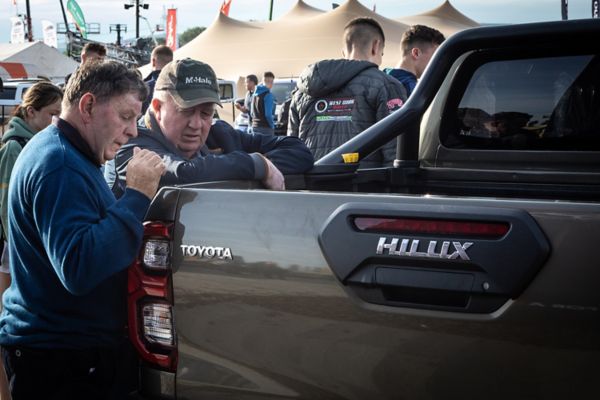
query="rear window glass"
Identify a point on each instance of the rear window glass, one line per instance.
(550, 103)
(8, 93)
(282, 91)
(226, 91)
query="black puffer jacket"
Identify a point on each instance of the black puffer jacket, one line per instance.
(337, 99)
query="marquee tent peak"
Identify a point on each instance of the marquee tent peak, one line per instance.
(445, 11)
(301, 10)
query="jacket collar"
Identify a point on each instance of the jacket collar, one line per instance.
(75, 138)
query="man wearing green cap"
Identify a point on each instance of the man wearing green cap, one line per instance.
(180, 128)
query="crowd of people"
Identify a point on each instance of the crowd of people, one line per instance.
(79, 171)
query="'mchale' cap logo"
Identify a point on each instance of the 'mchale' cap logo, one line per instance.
(197, 79)
(189, 82)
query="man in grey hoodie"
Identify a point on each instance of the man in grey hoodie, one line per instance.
(338, 99)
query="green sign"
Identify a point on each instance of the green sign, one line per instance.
(78, 17)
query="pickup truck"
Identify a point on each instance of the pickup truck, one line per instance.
(466, 270)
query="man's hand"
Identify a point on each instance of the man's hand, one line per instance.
(274, 179)
(144, 171)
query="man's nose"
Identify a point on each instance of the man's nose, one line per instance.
(195, 120)
(131, 130)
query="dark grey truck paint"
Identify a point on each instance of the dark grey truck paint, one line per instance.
(312, 306)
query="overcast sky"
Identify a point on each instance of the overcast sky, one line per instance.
(203, 12)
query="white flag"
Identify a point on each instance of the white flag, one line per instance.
(17, 32)
(49, 30)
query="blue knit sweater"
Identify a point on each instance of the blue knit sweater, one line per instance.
(71, 243)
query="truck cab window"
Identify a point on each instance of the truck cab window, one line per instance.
(546, 103)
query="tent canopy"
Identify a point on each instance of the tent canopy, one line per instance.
(445, 18)
(286, 46)
(48, 61)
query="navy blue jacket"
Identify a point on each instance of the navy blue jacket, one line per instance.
(73, 244)
(228, 154)
(407, 78)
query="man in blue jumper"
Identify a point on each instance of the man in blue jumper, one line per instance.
(64, 317)
(195, 148)
(417, 46)
(262, 107)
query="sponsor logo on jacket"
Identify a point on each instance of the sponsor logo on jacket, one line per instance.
(394, 104)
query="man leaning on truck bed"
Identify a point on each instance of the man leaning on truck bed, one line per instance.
(180, 128)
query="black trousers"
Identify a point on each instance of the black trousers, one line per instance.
(93, 374)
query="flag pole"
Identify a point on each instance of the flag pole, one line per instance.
(271, 11)
(29, 32)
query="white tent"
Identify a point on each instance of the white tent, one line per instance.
(48, 61)
(11, 70)
(285, 46)
(301, 10)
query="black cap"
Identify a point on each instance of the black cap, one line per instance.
(189, 82)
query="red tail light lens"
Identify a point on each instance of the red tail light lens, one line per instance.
(431, 227)
(150, 300)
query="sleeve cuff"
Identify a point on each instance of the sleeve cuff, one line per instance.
(260, 167)
(136, 202)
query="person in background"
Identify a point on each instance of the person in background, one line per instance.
(338, 99)
(417, 46)
(180, 128)
(64, 317)
(91, 52)
(251, 82)
(263, 106)
(161, 56)
(40, 103)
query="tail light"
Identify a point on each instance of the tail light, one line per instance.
(150, 299)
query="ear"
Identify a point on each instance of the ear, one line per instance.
(29, 111)
(156, 106)
(375, 47)
(86, 107)
(415, 52)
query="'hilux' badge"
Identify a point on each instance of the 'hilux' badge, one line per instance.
(410, 248)
(222, 253)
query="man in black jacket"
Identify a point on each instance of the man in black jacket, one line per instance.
(180, 128)
(338, 99)
(161, 56)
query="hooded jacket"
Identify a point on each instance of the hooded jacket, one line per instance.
(263, 108)
(10, 151)
(338, 99)
(407, 78)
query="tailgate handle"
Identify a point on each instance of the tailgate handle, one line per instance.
(453, 281)
(408, 286)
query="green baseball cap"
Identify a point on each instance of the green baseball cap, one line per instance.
(189, 82)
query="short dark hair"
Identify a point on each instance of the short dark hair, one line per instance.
(268, 74)
(420, 35)
(104, 80)
(97, 48)
(359, 32)
(38, 96)
(252, 78)
(163, 53)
